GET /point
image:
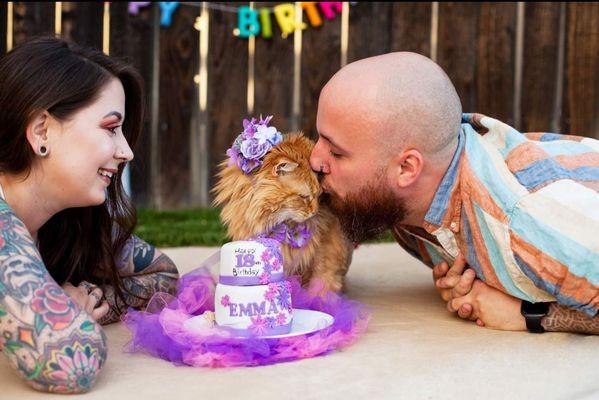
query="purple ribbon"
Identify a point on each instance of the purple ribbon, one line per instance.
(249, 280)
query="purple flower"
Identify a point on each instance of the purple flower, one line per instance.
(276, 265)
(248, 166)
(233, 154)
(299, 236)
(73, 368)
(265, 256)
(253, 143)
(281, 319)
(225, 300)
(264, 278)
(265, 121)
(258, 326)
(278, 233)
(249, 127)
(271, 322)
(267, 268)
(284, 298)
(269, 295)
(254, 150)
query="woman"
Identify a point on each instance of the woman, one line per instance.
(68, 260)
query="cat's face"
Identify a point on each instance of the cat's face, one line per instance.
(285, 185)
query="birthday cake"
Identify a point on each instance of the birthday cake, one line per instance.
(252, 296)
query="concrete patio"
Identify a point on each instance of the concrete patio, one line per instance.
(414, 349)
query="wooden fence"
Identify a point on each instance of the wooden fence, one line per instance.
(532, 65)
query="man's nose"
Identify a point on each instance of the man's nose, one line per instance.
(317, 162)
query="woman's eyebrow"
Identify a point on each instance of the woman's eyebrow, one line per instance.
(115, 113)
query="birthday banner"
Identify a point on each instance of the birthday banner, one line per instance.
(254, 22)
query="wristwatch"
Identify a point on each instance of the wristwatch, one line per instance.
(534, 313)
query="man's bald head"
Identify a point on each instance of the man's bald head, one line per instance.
(401, 100)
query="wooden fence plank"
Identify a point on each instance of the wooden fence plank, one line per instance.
(130, 36)
(411, 27)
(321, 58)
(3, 14)
(369, 30)
(178, 66)
(476, 49)
(32, 19)
(82, 22)
(581, 101)
(227, 84)
(274, 76)
(496, 57)
(540, 65)
(457, 48)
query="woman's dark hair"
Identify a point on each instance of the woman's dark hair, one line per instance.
(52, 74)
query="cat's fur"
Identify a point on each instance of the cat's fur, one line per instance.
(285, 189)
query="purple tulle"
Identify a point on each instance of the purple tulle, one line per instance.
(160, 329)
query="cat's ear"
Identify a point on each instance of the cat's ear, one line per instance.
(284, 166)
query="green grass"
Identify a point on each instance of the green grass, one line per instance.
(193, 227)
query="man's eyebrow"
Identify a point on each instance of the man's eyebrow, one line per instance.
(116, 114)
(328, 139)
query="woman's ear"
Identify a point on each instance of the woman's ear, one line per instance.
(37, 132)
(284, 167)
(407, 167)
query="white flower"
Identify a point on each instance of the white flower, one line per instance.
(267, 133)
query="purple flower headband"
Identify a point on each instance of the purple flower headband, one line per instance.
(253, 143)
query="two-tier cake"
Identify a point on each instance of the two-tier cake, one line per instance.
(252, 296)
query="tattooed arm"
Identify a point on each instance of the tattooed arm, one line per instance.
(144, 271)
(563, 319)
(48, 340)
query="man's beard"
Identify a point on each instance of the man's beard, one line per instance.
(368, 212)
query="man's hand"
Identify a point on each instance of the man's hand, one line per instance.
(454, 282)
(87, 297)
(473, 299)
(491, 307)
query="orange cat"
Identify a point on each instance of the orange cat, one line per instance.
(286, 190)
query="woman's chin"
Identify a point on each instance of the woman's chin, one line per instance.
(97, 198)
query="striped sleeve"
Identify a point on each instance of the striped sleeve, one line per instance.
(554, 240)
(414, 247)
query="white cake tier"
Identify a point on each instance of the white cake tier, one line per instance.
(251, 262)
(258, 310)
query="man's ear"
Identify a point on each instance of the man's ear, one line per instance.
(407, 167)
(284, 166)
(37, 130)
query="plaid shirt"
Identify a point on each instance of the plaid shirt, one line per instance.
(524, 211)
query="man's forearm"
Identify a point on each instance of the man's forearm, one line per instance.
(563, 319)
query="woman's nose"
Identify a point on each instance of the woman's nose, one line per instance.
(123, 150)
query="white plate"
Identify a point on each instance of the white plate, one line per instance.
(305, 321)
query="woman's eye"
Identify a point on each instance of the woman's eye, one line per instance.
(113, 129)
(335, 155)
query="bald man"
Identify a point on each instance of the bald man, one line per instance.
(516, 216)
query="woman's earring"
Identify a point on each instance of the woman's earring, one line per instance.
(43, 151)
